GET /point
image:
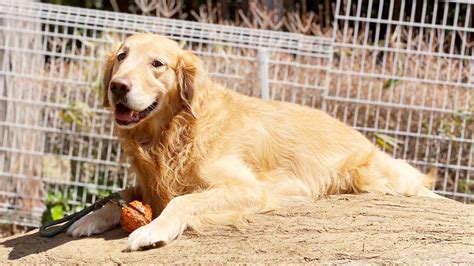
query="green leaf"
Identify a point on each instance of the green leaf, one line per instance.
(459, 116)
(386, 141)
(77, 208)
(54, 197)
(390, 83)
(465, 186)
(77, 111)
(93, 191)
(57, 212)
(103, 193)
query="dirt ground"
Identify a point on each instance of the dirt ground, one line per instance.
(340, 229)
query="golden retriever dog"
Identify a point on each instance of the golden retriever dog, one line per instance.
(205, 155)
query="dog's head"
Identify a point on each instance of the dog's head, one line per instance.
(147, 74)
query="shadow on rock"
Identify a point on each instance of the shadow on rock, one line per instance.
(32, 243)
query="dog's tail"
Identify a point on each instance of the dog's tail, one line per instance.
(376, 171)
(428, 181)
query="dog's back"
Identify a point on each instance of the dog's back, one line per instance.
(299, 151)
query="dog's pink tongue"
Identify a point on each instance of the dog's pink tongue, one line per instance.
(123, 113)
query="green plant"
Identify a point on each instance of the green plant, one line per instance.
(58, 204)
(77, 111)
(387, 142)
(465, 186)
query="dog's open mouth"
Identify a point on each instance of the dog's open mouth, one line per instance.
(126, 116)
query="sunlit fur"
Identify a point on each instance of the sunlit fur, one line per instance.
(212, 156)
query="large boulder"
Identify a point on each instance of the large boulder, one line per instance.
(339, 229)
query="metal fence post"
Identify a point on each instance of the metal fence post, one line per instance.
(263, 63)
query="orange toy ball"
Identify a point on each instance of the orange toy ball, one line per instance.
(135, 216)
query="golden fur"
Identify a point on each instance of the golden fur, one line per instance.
(208, 155)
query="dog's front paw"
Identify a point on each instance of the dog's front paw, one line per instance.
(158, 233)
(97, 222)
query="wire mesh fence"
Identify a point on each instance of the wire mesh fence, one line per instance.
(57, 141)
(404, 76)
(406, 84)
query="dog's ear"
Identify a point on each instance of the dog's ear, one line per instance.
(191, 76)
(108, 68)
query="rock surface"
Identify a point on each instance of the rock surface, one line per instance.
(339, 229)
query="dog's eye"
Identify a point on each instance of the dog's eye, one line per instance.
(121, 56)
(156, 63)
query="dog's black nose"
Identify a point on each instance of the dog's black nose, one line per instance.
(120, 87)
